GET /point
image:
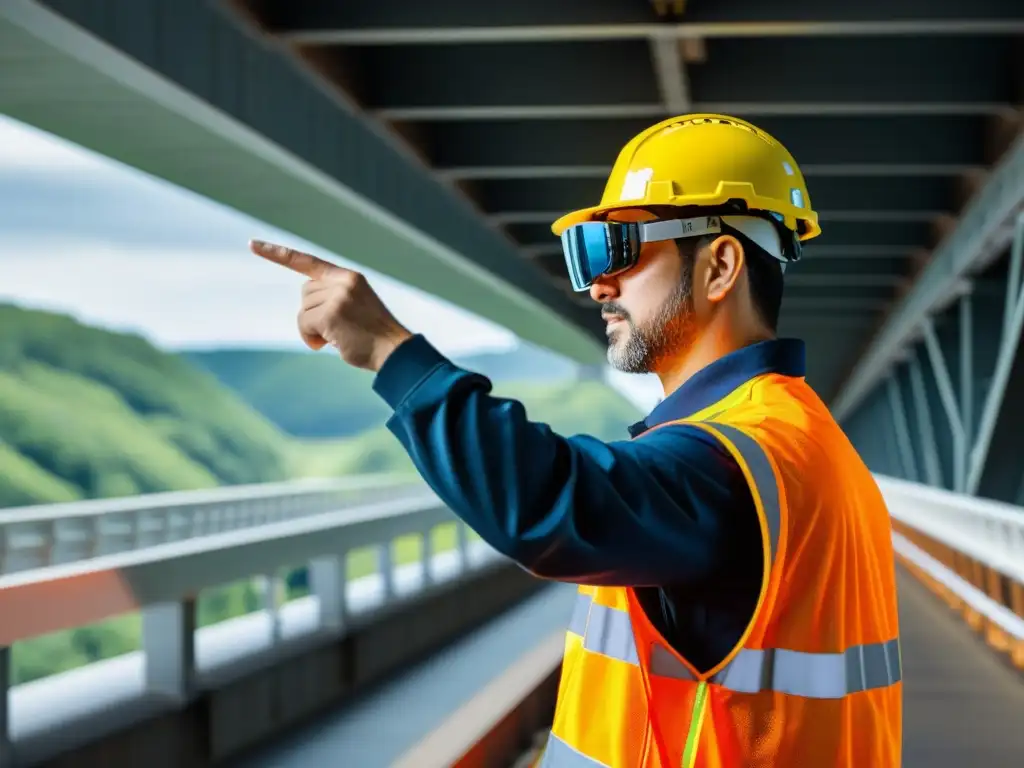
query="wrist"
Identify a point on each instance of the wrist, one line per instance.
(386, 346)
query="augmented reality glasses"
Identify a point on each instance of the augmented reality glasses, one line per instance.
(596, 248)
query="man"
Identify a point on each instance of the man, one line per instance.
(737, 604)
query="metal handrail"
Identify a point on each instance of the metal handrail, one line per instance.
(51, 534)
(990, 532)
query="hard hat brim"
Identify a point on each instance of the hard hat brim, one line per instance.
(809, 219)
(584, 214)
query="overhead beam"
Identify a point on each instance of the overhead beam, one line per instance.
(554, 32)
(925, 76)
(980, 235)
(670, 73)
(658, 111)
(530, 74)
(825, 141)
(578, 171)
(472, 14)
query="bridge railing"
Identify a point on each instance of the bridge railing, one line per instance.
(45, 535)
(71, 565)
(969, 551)
(66, 566)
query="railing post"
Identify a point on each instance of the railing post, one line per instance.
(462, 536)
(385, 564)
(428, 557)
(6, 748)
(328, 581)
(272, 605)
(168, 641)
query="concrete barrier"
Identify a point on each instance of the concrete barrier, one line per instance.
(242, 709)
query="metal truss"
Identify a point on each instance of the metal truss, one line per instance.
(971, 438)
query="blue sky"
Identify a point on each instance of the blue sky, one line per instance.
(87, 236)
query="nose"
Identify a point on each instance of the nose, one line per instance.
(603, 290)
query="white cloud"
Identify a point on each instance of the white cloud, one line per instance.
(84, 235)
(195, 298)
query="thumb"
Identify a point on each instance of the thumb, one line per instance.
(315, 343)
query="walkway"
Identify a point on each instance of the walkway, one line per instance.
(963, 704)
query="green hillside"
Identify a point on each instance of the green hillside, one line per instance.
(86, 413)
(305, 394)
(336, 400)
(524, 363)
(586, 407)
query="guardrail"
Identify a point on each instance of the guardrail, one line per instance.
(64, 566)
(69, 565)
(969, 551)
(50, 534)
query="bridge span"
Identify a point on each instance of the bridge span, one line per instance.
(432, 142)
(445, 657)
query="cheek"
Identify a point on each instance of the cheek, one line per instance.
(645, 292)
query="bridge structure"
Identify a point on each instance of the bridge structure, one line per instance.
(434, 142)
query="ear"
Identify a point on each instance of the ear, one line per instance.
(725, 263)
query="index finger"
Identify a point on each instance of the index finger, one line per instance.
(297, 261)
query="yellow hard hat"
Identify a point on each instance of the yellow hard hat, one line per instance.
(705, 160)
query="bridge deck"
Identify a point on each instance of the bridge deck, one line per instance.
(963, 705)
(377, 729)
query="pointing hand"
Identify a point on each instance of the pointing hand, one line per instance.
(339, 308)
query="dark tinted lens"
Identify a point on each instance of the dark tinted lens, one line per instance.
(586, 252)
(595, 248)
(625, 246)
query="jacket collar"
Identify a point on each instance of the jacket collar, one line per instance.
(786, 357)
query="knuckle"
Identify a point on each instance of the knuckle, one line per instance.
(349, 279)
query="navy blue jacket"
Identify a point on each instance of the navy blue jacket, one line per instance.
(669, 513)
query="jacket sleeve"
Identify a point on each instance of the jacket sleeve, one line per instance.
(660, 509)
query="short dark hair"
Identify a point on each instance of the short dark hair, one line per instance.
(764, 273)
(766, 285)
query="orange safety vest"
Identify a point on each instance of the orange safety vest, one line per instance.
(814, 682)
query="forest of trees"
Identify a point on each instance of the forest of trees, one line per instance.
(89, 413)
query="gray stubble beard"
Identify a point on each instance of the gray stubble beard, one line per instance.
(668, 332)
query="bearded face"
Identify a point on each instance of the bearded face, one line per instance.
(639, 345)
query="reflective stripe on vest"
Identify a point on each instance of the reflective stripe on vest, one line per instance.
(764, 480)
(798, 673)
(558, 754)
